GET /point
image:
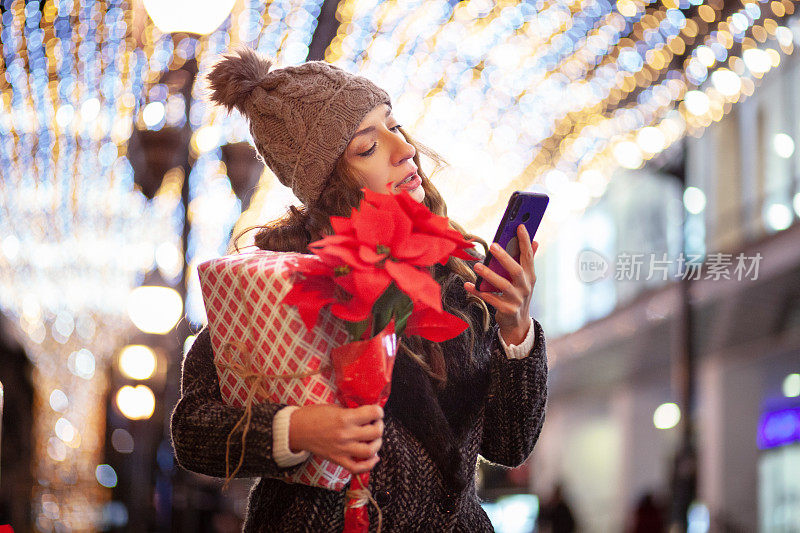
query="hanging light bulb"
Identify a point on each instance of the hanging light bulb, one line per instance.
(191, 16)
(155, 309)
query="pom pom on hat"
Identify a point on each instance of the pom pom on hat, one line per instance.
(234, 77)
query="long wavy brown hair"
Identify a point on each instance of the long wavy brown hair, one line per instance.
(341, 192)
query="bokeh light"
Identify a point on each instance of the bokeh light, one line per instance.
(137, 361)
(155, 309)
(694, 199)
(666, 416)
(791, 385)
(136, 403)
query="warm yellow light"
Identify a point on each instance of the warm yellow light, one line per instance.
(207, 138)
(65, 430)
(628, 154)
(626, 8)
(705, 55)
(169, 259)
(192, 16)
(778, 8)
(155, 309)
(696, 102)
(726, 82)
(707, 13)
(757, 60)
(137, 361)
(666, 416)
(595, 182)
(136, 403)
(774, 57)
(651, 139)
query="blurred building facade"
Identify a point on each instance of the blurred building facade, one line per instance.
(614, 339)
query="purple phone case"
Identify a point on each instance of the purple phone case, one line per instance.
(519, 205)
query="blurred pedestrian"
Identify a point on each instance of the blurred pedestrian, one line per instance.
(555, 515)
(648, 516)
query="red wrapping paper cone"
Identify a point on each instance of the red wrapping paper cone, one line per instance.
(363, 376)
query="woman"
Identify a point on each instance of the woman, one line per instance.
(326, 134)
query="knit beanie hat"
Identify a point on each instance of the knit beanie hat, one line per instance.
(301, 117)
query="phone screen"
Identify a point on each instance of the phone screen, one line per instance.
(523, 208)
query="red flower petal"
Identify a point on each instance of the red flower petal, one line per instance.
(335, 255)
(369, 255)
(355, 310)
(434, 325)
(365, 284)
(418, 285)
(330, 240)
(343, 225)
(388, 226)
(310, 296)
(372, 225)
(424, 250)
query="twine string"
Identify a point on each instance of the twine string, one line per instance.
(256, 382)
(361, 497)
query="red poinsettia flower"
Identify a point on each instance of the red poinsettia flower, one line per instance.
(381, 243)
(318, 289)
(389, 239)
(424, 222)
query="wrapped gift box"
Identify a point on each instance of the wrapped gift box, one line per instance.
(242, 295)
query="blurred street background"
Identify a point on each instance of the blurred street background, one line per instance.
(668, 276)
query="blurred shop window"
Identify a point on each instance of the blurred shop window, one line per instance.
(604, 258)
(515, 513)
(777, 148)
(779, 489)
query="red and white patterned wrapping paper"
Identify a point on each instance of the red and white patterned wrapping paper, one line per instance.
(241, 295)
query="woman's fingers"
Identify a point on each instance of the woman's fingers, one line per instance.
(509, 263)
(356, 466)
(368, 432)
(499, 303)
(498, 281)
(366, 414)
(526, 249)
(364, 450)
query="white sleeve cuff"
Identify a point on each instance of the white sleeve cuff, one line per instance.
(521, 350)
(281, 452)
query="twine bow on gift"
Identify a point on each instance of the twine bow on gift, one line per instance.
(256, 382)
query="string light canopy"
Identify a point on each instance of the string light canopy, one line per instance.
(77, 234)
(554, 95)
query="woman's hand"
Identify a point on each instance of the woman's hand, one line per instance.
(348, 437)
(513, 303)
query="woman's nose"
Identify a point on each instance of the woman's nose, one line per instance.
(402, 150)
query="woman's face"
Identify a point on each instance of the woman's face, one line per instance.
(381, 157)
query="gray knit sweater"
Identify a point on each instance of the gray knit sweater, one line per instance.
(491, 405)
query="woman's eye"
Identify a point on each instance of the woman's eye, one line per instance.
(369, 152)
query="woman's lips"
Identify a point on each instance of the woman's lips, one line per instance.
(412, 184)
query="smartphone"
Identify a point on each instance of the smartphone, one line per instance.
(523, 208)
